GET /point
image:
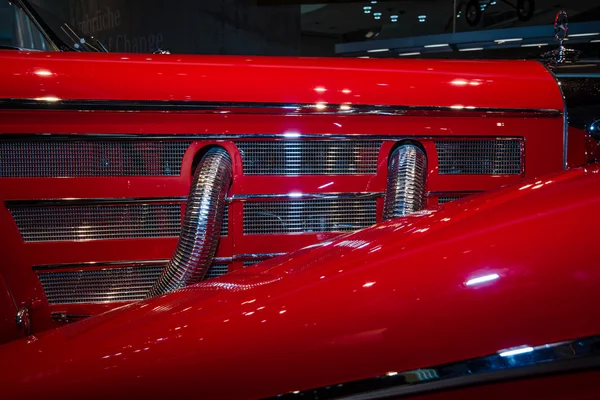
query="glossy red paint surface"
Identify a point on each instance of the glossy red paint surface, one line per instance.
(393, 297)
(262, 79)
(255, 79)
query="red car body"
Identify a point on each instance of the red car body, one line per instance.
(482, 284)
(92, 100)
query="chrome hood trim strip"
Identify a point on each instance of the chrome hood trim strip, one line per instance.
(508, 364)
(84, 202)
(201, 136)
(52, 103)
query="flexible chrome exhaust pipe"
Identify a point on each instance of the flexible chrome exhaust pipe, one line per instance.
(201, 228)
(407, 171)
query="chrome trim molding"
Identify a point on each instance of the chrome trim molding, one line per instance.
(520, 362)
(23, 320)
(255, 107)
(200, 136)
(407, 172)
(245, 257)
(66, 318)
(305, 196)
(87, 202)
(565, 115)
(201, 227)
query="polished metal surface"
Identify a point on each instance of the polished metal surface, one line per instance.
(202, 223)
(246, 258)
(82, 158)
(507, 364)
(305, 196)
(407, 172)
(23, 321)
(480, 157)
(308, 216)
(99, 285)
(101, 222)
(261, 108)
(297, 157)
(255, 256)
(565, 115)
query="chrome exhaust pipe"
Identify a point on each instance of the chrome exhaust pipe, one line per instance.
(407, 172)
(201, 228)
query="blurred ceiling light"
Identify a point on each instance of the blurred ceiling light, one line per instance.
(534, 45)
(430, 46)
(500, 41)
(595, 41)
(471, 49)
(584, 34)
(320, 89)
(416, 53)
(459, 82)
(367, 9)
(377, 50)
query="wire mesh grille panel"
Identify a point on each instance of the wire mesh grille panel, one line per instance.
(97, 222)
(447, 199)
(317, 157)
(68, 158)
(216, 270)
(225, 224)
(252, 262)
(479, 157)
(99, 286)
(304, 216)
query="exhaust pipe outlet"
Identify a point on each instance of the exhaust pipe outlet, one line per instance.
(407, 171)
(201, 228)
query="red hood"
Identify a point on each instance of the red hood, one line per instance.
(110, 76)
(389, 298)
